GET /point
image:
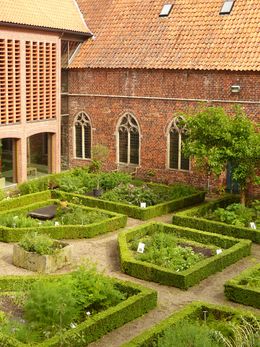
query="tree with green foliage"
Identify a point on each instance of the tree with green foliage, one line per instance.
(216, 138)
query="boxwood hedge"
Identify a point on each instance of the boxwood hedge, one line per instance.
(195, 310)
(24, 204)
(187, 218)
(140, 301)
(233, 250)
(237, 290)
(135, 211)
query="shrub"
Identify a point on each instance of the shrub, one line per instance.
(225, 325)
(18, 221)
(111, 180)
(61, 305)
(152, 194)
(245, 288)
(2, 195)
(235, 214)
(187, 334)
(93, 291)
(196, 216)
(38, 243)
(51, 305)
(77, 216)
(162, 249)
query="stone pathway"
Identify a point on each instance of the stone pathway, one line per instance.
(103, 251)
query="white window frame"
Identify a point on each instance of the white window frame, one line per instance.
(85, 120)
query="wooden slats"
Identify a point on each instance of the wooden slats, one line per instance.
(10, 81)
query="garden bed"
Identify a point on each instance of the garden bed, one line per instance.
(176, 272)
(214, 317)
(83, 292)
(245, 288)
(72, 222)
(136, 211)
(194, 217)
(120, 193)
(44, 263)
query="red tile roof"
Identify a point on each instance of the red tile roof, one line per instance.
(54, 14)
(130, 34)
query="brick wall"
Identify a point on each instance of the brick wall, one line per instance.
(142, 93)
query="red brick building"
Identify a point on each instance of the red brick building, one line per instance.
(143, 68)
(36, 38)
(126, 86)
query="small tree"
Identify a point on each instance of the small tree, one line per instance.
(99, 156)
(209, 137)
(216, 138)
(244, 152)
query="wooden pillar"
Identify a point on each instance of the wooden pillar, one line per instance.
(53, 153)
(21, 160)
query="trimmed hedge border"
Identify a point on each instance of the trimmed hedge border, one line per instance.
(141, 301)
(240, 293)
(186, 219)
(135, 211)
(20, 201)
(192, 311)
(233, 250)
(7, 234)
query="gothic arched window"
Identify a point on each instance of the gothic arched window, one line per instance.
(128, 140)
(82, 131)
(177, 134)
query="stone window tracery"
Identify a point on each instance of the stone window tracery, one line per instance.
(177, 135)
(82, 131)
(128, 140)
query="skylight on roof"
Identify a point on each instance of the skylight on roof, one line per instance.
(166, 10)
(227, 7)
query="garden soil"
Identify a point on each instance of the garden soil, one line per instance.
(103, 251)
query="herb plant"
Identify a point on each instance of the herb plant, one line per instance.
(163, 250)
(38, 243)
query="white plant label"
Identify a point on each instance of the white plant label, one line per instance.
(219, 251)
(252, 225)
(143, 204)
(140, 248)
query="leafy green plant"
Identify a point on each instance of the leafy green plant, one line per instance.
(77, 216)
(38, 243)
(188, 334)
(252, 281)
(110, 180)
(244, 334)
(93, 291)
(18, 221)
(162, 249)
(136, 193)
(51, 305)
(55, 306)
(2, 195)
(235, 214)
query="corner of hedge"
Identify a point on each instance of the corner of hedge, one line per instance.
(236, 291)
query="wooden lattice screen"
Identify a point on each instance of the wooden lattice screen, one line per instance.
(41, 94)
(10, 81)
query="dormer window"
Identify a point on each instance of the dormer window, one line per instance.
(166, 10)
(227, 7)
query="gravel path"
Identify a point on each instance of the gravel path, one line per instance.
(103, 251)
